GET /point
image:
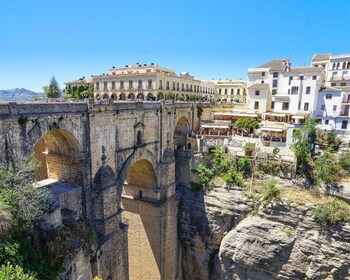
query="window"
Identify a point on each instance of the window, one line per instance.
(231, 91)
(97, 85)
(219, 90)
(343, 84)
(285, 106)
(314, 77)
(105, 85)
(275, 74)
(272, 104)
(130, 84)
(140, 84)
(173, 85)
(323, 107)
(238, 91)
(139, 138)
(121, 84)
(182, 87)
(326, 122)
(274, 83)
(256, 105)
(225, 90)
(257, 92)
(149, 84)
(263, 74)
(306, 106)
(308, 90)
(333, 84)
(113, 84)
(290, 79)
(262, 81)
(178, 86)
(160, 84)
(167, 85)
(295, 90)
(344, 124)
(328, 96)
(301, 78)
(334, 107)
(274, 91)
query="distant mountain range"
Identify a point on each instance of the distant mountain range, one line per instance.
(18, 94)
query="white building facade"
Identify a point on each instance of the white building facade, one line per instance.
(149, 82)
(280, 92)
(230, 91)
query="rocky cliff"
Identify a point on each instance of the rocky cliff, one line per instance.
(220, 240)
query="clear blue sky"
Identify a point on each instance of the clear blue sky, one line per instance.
(208, 38)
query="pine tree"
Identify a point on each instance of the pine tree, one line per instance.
(53, 90)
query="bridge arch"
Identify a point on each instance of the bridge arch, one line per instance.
(142, 214)
(182, 129)
(58, 153)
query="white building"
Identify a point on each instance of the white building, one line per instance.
(334, 98)
(280, 92)
(229, 91)
(149, 82)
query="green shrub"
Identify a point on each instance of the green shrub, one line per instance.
(204, 174)
(345, 161)
(270, 190)
(243, 165)
(10, 272)
(276, 150)
(232, 177)
(333, 212)
(21, 252)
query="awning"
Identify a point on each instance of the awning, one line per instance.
(235, 114)
(214, 126)
(298, 117)
(275, 114)
(276, 129)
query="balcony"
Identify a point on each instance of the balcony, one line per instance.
(342, 78)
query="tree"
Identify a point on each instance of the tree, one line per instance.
(17, 191)
(10, 272)
(199, 111)
(327, 169)
(248, 125)
(53, 90)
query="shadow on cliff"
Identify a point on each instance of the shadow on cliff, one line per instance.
(198, 260)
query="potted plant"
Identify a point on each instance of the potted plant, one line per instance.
(249, 149)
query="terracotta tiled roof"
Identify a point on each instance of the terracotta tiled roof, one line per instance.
(277, 64)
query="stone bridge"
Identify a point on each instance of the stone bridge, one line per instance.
(115, 165)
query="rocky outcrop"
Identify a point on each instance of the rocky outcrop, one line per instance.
(219, 240)
(282, 242)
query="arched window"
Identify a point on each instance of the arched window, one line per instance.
(338, 65)
(348, 66)
(344, 65)
(139, 138)
(333, 66)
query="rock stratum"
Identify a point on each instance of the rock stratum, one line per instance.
(220, 240)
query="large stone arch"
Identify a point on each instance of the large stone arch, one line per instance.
(142, 214)
(58, 153)
(139, 154)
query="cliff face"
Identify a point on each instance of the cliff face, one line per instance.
(204, 218)
(220, 241)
